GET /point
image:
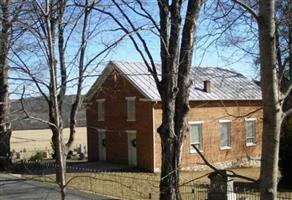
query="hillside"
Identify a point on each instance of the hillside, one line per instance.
(38, 107)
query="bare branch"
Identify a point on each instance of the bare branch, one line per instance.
(287, 91)
(145, 46)
(219, 171)
(34, 79)
(150, 69)
(28, 116)
(287, 113)
(248, 8)
(75, 106)
(41, 8)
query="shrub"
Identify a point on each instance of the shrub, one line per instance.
(39, 155)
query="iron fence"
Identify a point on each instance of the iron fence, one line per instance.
(138, 185)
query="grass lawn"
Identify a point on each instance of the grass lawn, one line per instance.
(141, 185)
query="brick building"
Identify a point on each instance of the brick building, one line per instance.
(124, 112)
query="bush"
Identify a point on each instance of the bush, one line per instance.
(39, 155)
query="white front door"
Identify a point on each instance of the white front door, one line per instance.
(132, 148)
(101, 146)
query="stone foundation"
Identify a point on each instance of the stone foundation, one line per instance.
(244, 162)
(240, 163)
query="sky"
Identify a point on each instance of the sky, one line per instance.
(206, 52)
(213, 56)
(244, 66)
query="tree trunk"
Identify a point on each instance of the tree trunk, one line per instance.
(176, 58)
(272, 108)
(61, 162)
(5, 155)
(290, 38)
(55, 113)
(169, 181)
(5, 132)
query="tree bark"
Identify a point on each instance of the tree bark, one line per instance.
(290, 38)
(5, 132)
(272, 105)
(55, 113)
(169, 180)
(176, 56)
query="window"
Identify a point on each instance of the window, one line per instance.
(100, 109)
(250, 125)
(131, 109)
(196, 137)
(225, 129)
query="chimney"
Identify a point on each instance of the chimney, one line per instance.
(207, 86)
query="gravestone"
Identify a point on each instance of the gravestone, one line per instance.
(221, 187)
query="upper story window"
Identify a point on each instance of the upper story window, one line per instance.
(131, 108)
(225, 134)
(196, 136)
(100, 109)
(250, 125)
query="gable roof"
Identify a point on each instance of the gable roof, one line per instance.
(225, 84)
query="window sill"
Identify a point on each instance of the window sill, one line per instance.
(131, 120)
(250, 144)
(225, 148)
(193, 151)
(101, 120)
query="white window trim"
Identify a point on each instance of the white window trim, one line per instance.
(101, 101)
(250, 119)
(193, 151)
(131, 99)
(224, 120)
(225, 147)
(196, 122)
(131, 131)
(250, 144)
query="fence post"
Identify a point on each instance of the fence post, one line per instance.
(221, 186)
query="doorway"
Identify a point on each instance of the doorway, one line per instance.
(132, 148)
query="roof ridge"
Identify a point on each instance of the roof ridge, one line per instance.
(193, 66)
(227, 84)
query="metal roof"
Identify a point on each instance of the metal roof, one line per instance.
(225, 84)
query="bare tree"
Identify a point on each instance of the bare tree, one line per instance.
(177, 42)
(9, 15)
(275, 62)
(52, 29)
(268, 25)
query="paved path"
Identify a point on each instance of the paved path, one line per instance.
(15, 188)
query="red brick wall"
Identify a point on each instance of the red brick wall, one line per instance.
(210, 113)
(114, 90)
